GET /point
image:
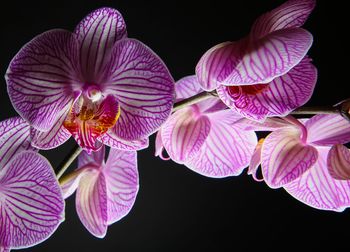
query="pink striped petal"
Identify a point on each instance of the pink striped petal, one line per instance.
(278, 98)
(122, 182)
(97, 34)
(14, 138)
(270, 124)
(218, 63)
(42, 76)
(285, 157)
(159, 147)
(110, 139)
(96, 157)
(316, 188)
(338, 162)
(184, 134)
(2, 249)
(256, 161)
(328, 130)
(71, 182)
(291, 14)
(91, 202)
(31, 204)
(225, 152)
(53, 138)
(143, 86)
(270, 57)
(187, 87)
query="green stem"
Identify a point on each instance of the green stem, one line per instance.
(68, 161)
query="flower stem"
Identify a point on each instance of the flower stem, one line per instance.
(68, 160)
(194, 99)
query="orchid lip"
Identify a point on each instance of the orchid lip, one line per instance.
(94, 93)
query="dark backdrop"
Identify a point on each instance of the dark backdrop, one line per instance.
(177, 209)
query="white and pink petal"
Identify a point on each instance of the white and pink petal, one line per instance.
(31, 202)
(112, 140)
(338, 162)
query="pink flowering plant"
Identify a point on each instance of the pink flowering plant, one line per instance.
(112, 92)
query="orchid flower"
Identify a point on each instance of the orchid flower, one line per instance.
(106, 191)
(94, 84)
(204, 136)
(266, 73)
(294, 156)
(31, 201)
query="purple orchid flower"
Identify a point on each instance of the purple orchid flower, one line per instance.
(204, 136)
(267, 73)
(94, 84)
(31, 200)
(107, 191)
(294, 156)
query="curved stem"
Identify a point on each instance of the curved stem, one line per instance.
(193, 100)
(68, 161)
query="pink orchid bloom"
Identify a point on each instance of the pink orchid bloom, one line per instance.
(106, 191)
(94, 84)
(31, 201)
(294, 156)
(266, 73)
(204, 136)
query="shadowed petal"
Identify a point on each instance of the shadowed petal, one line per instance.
(14, 138)
(291, 14)
(96, 157)
(31, 204)
(122, 180)
(328, 130)
(278, 98)
(42, 76)
(338, 162)
(110, 139)
(91, 202)
(226, 151)
(97, 34)
(186, 87)
(285, 157)
(255, 161)
(143, 86)
(184, 134)
(71, 182)
(316, 188)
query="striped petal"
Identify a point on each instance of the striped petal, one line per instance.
(122, 182)
(256, 161)
(338, 162)
(270, 57)
(110, 139)
(14, 138)
(143, 86)
(278, 98)
(42, 76)
(96, 157)
(31, 202)
(226, 151)
(291, 14)
(184, 134)
(328, 130)
(97, 34)
(187, 87)
(285, 157)
(91, 202)
(316, 188)
(70, 182)
(53, 138)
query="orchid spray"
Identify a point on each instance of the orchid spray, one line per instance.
(111, 93)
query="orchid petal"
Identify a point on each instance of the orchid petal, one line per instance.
(14, 138)
(42, 76)
(278, 98)
(187, 87)
(338, 162)
(143, 86)
(32, 205)
(270, 57)
(122, 182)
(328, 130)
(96, 157)
(270, 124)
(184, 134)
(256, 161)
(53, 138)
(226, 151)
(91, 202)
(285, 157)
(71, 182)
(316, 188)
(291, 14)
(159, 147)
(97, 33)
(110, 139)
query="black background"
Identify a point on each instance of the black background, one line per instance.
(176, 209)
